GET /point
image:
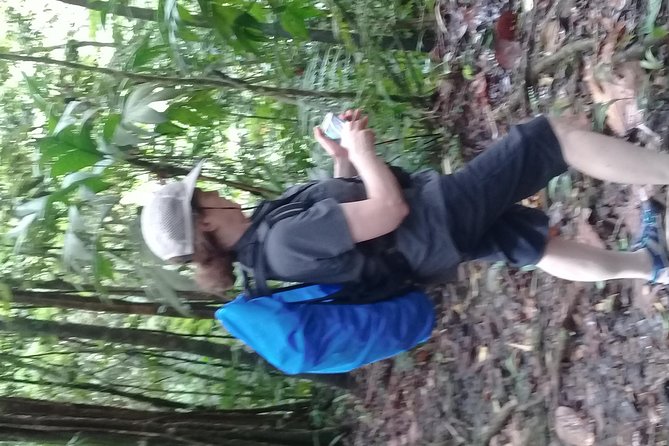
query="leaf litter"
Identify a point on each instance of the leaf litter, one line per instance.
(518, 357)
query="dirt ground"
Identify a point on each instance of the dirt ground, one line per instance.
(518, 357)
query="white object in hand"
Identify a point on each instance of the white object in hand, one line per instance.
(332, 126)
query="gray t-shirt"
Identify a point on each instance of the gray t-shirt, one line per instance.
(316, 245)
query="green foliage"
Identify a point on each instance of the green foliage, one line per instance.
(77, 147)
(654, 7)
(650, 62)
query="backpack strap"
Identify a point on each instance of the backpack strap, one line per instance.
(259, 287)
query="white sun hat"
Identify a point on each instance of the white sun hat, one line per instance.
(167, 218)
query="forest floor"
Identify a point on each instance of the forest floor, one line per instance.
(518, 357)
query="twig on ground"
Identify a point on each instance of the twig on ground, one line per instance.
(498, 423)
(548, 63)
(459, 439)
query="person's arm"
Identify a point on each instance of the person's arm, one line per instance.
(385, 207)
(343, 168)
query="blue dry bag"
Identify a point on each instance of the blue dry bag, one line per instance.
(298, 330)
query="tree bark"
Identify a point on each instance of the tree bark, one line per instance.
(22, 418)
(151, 339)
(133, 396)
(62, 287)
(414, 41)
(142, 338)
(108, 305)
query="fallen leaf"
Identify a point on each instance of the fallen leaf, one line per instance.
(618, 94)
(570, 429)
(552, 35)
(414, 435)
(507, 49)
(614, 32)
(507, 53)
(482, 354)
(505, 27)
(452, 23)
(521, 347)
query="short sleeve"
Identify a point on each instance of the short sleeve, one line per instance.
(314, 246)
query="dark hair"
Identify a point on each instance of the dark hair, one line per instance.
(214, 272)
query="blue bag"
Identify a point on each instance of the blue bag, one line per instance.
(298, 330)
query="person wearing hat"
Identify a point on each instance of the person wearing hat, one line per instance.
(433, 221)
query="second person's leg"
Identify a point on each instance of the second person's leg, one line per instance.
(608, 158)
(578, 262)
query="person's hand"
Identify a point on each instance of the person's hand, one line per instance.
(356, 138)
(332, 147)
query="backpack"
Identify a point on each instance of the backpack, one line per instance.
(299, 330)
(327, 328)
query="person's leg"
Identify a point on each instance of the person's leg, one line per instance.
(608, 158)
(578, 262)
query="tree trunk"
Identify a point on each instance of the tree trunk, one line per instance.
(108, 305)
(62, 287)
(273, 30)
(100, 388)
(144, 338)
(22, 418)
(130, 336)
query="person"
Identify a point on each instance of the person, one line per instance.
(434, 221)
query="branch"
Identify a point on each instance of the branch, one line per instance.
(227, 82)
(498, 422)
(171, 170)
(72, 44)
(273, 29)
(425, 135)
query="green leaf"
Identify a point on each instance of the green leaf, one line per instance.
(468, 72)
(168, 128)
(93, 22)
(200, 144)
(35, 206)
(654, 7)
(259, 11)
(205, 7)
(107, 6)
(651, 62)
(35, 92)
(185, 15)
(74, 160)
(222, 19)
(599, 116)
(104, 268)
(90, 180)
(6, 297)
(66, 141)
(137, 105)
(110, 126)
(187, 116)
(188, 35)
(248, 31)
(146, 53)
(292, 22)
(659, 33)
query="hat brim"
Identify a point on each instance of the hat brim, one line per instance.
(190, 180)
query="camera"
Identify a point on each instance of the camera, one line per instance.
(332, 126)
